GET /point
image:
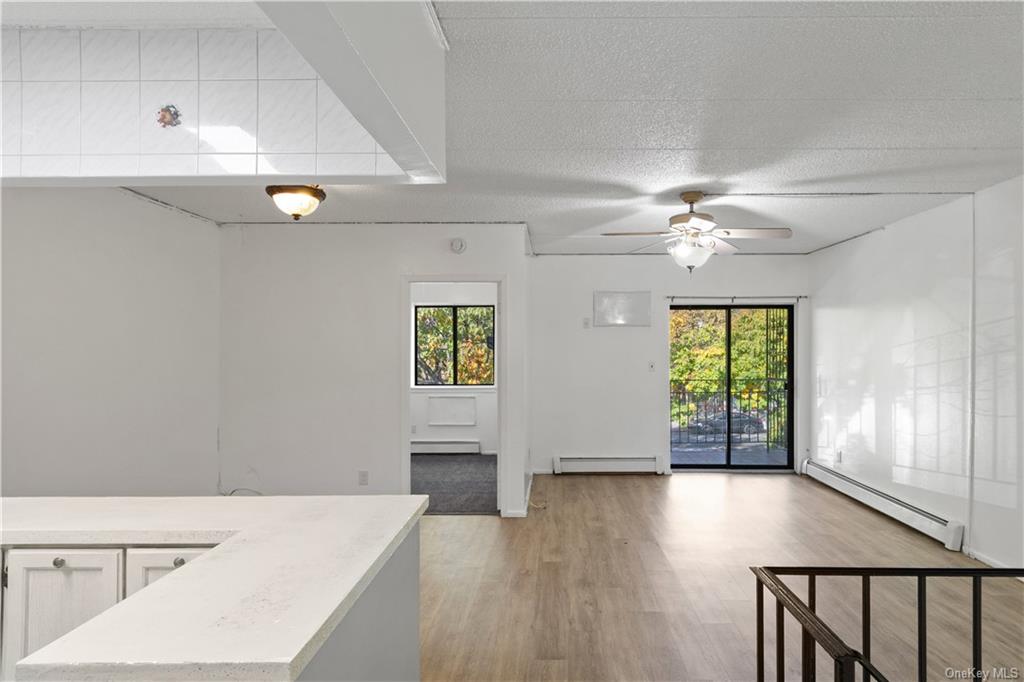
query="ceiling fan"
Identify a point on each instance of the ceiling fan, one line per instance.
(693, 237)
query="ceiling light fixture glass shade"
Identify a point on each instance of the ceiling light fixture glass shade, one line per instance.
(693, 221)
(688, 254)
(296, 200)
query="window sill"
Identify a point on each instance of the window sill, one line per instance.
(453, 389)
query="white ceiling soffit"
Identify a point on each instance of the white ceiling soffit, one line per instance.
(584, 117)
(386, 62)
(133, 15)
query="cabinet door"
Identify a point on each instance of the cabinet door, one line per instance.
(51, 592)
(147, 565)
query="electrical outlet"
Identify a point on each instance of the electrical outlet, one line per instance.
(586, 323)
(364, 478)
(414, 428)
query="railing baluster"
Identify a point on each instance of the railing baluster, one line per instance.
(780, 642)
(845, 669)
(922, 630)
(976, 623)
(865, 622)
(816, 633)
(760, 631)
(807, 645)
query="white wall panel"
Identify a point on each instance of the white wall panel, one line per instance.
(425, 400)
(315, 323)
(891, 329)
(997, 525)
(111, 336)
(592, 393)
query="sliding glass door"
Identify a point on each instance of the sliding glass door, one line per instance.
(731, 403)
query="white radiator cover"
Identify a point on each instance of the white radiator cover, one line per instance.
(947, 531)
(575, 464)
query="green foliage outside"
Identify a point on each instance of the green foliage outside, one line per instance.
(476, 345)
(440, 346)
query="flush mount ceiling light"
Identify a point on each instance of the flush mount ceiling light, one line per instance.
(296, 200)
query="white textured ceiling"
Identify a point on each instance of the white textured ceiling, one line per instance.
(579, 118)
(134, 15)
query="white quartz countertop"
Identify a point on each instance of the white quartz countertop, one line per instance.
(257, 606)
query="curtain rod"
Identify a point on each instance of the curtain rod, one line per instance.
(733, 298)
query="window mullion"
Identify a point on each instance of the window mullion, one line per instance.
(455, 345)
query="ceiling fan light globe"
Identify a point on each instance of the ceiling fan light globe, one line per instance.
(689, 255)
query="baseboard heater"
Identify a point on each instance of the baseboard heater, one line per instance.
(594, 465)
(445, 447)
(948, 532)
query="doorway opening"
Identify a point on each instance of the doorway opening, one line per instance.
(453, 399)
(731, 401)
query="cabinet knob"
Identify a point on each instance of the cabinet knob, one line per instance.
(58, 563)
(178, 562)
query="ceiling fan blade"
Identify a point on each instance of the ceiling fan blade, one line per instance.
(719, 246)
(752, 233)
(649, 245)
(638, 234)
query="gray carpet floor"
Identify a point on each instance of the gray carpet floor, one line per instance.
(457, 484)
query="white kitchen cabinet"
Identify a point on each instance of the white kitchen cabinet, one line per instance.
(143, 566)
(52, 591)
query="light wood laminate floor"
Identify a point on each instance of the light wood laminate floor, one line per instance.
(646, 578)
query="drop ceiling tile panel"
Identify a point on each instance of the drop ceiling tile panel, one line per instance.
(227, 164)
(169, 54)
(337, 130)
(345, 164)
(110, 118)
(10, 54)
(10, 118)
(168, 164)
(159, 97)
(51, 118)
(279, 60)
(227, 54)
(110, 55)
(50, 55)
(286, 164)
(227, 117)
(110, 165)
(287, 113)
(51, 165)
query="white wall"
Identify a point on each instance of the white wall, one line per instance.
(891, 330)
(315, 359)
(110, 346)
(485, 398)
(997, 515)
(591, 391)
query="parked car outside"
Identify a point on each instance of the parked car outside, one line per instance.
(718, 423)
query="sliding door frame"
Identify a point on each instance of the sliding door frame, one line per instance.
(790, 384)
